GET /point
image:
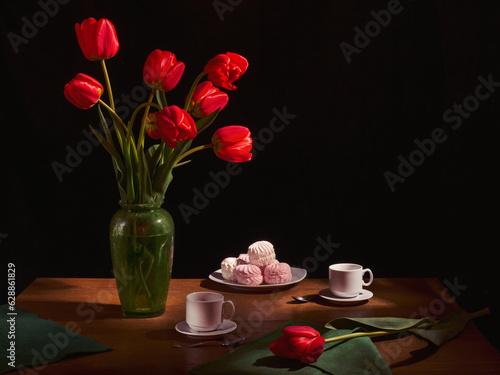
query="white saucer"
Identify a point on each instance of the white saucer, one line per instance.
(298, 274)
(226, 327)
(362, 296)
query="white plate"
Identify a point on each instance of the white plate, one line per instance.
(226, 327)
(362, 296)
(298, 274)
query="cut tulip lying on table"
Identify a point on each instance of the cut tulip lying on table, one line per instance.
(305, 343)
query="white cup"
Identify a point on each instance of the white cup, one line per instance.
(346, 279)
(205, 311)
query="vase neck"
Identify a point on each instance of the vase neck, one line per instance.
(140, 206)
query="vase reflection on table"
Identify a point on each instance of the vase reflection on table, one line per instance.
(141, 232)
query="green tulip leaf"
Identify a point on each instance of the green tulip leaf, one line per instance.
(105, 126)
(107, 131)
(131, 193)
(444, 330)
(161, 98)
(154, 156)
(160, 195)
(118, 166)
(110, 148)
(151, 151)
(144, 178)
(377, 323)
(205, 122)
(163, 175)
(121, 181)
(434, 332)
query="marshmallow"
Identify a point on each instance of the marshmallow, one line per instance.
(228, 266)
(277, 273)
(261, 253)
(243, 259)
(248, 274)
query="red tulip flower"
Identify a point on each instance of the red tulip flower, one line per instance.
(233, 143)
(162, 70)
(224, 69)
(151, 126)
(97, 39)
(206, 99)
(173, 125)
(299, 342)
(83, 91)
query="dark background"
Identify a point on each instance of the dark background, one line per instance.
(322, 176)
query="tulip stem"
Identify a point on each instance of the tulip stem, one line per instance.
(362, 334)
(134, 115)
(140, 142)
(108, 84)
(158, 107)
(113, 113)
(161, 98)
(190, 95)
(479, 313)
(193, 150)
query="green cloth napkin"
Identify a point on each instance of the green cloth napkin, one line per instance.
(38, 342)
(351, 357)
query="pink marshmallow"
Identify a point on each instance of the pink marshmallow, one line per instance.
(248, 274)
(243, 259)
(278, 273)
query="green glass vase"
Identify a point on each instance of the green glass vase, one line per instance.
(142, 249)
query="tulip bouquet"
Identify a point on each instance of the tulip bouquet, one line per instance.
(144, 173)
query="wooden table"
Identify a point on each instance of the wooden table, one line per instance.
(91, 307)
